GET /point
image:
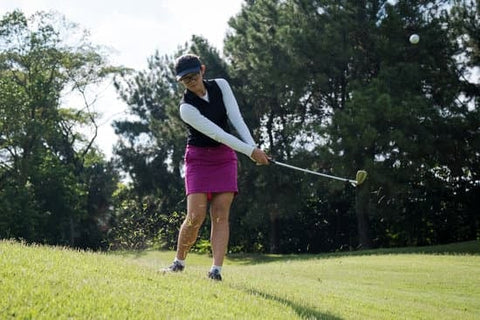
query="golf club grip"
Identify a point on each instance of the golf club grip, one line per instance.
(311, 172)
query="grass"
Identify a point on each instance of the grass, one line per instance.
(39, 282)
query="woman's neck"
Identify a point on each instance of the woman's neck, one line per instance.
(200, 90)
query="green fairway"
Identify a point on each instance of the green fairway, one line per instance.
(38, 282)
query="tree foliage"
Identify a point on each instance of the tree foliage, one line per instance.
(364, 97)
(333, 86)
(55, 186)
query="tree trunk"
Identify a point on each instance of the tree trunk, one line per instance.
(361, 211)
(274, 225)
(72, 232)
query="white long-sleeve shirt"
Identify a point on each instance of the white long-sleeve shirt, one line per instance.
(199, 122)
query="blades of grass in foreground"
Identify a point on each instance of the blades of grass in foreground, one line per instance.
(54, 283)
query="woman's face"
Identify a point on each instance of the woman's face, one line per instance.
(193, 81)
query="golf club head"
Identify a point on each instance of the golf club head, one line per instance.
(361, 176)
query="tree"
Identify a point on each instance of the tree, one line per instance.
(408, 127)
(48, 168)
(338, 81)
(293, 58)
(333, 86)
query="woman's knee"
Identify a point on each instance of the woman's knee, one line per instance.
(219, 214)
(196, 210)
(193, 220)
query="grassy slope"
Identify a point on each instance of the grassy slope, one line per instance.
(423, 283)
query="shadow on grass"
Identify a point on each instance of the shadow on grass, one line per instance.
(302, 311)
(461, 248)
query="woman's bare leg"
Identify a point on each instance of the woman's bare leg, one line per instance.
(220, 230)
(196, 213)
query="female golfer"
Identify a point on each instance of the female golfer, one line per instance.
(210, 159)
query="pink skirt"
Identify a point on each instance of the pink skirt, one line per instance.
(210, 170)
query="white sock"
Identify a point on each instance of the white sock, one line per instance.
(182, 262)
(214, 267)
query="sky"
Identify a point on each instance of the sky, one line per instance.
(133, 30)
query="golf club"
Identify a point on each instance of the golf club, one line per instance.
(359, 178)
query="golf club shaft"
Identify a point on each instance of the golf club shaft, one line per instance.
(313, 172)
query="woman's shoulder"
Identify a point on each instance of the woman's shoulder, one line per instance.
(222, 80)
(222, 83)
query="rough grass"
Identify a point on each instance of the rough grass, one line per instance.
(39, 282)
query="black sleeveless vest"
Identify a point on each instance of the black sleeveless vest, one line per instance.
(214, 110)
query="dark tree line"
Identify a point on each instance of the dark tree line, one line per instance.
(333, 86)
(336, 86)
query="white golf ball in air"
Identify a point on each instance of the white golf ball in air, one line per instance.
(414, 38)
